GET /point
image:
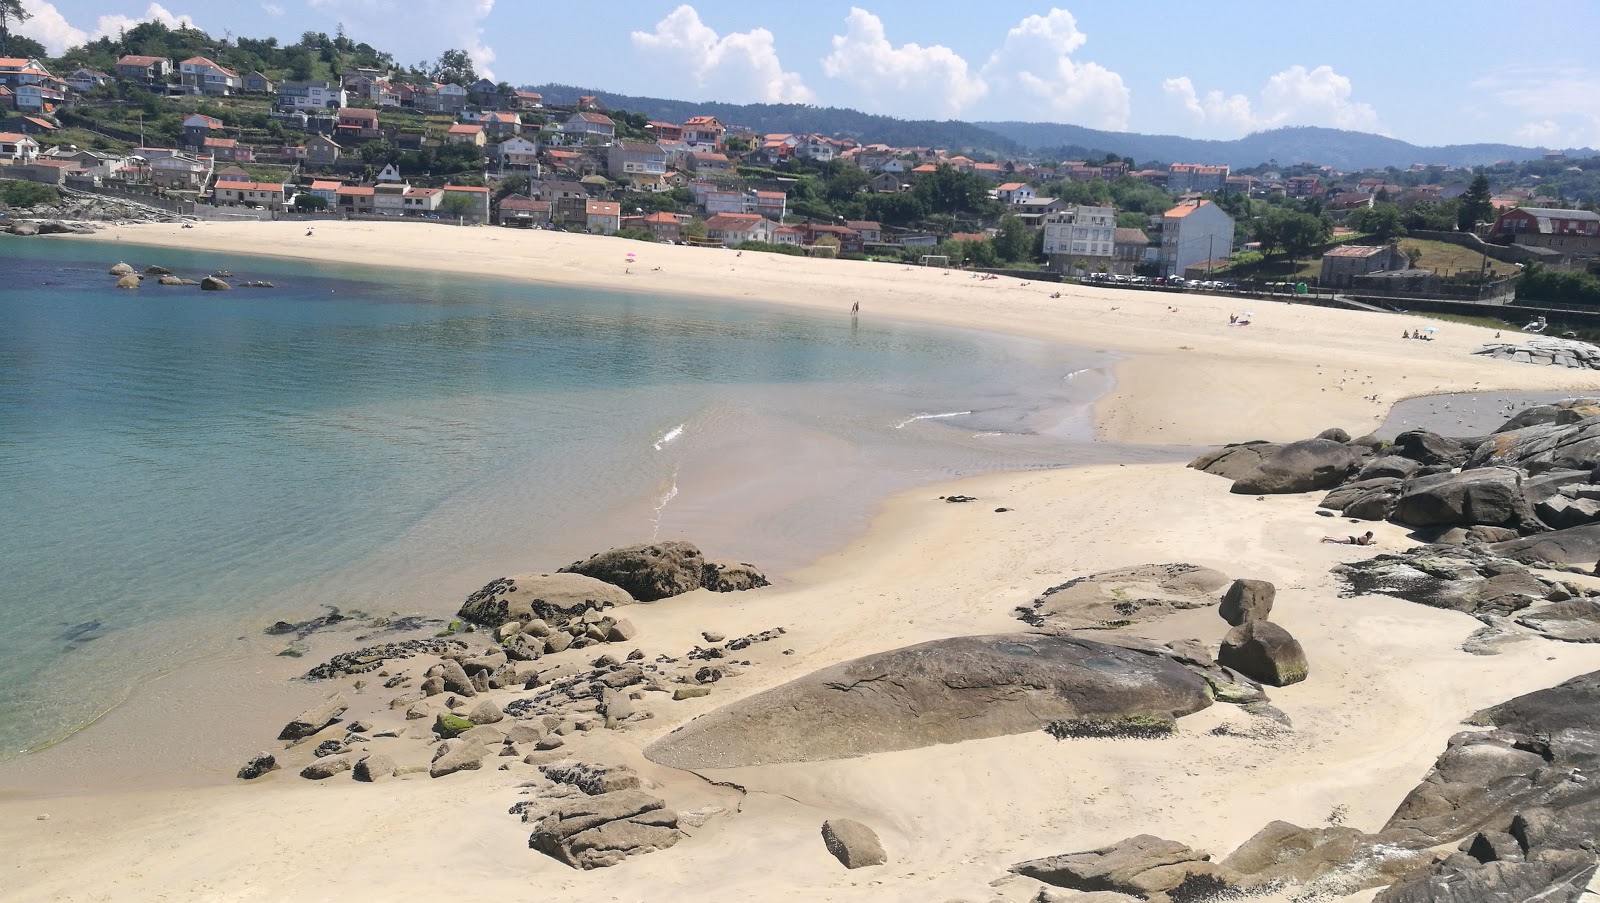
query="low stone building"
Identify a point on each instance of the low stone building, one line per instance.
(1341, 265)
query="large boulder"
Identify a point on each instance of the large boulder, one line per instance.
(1263, 651)
(1149, 867)
(1368, 499)
(546, 597)
(23, 228)
(1394, 466)
(1234, 461)
(944, 691)
(1561, 413)
(1303, 466)
(1468, 579)
(121, 268)
(314, 719)
(1574, 546)
(1574, 621)
(1491, 496)
(1549, 876)
(732, 577)
(213, 284)
(457, 755)
(852, 843)
(1429, 448)
(1122, 596)
(1324, 862)
(129, 281)
(1549, 446)
(589, 832)
(1247, 600)
(647, 572)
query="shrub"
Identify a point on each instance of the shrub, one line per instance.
(770, 248)
(27, 194)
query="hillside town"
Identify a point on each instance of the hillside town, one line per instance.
(375, 141)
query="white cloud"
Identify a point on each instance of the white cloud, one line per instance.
(909, 81)
(738, 66)
(272, 9)
(1563, 96)
(1034, 63)
(50, 28)
(418, 28)
(1295, 96)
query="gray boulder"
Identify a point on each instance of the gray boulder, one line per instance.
(1560, 512)
(732, 577)
(259, 764)
(213, 284)
(326, 767)
(1334, 434)
(1325, 862)
(373, 768)
(314, 719)
(648, 572)
(1394, 466)
(121, 268)
(554, 598)
(1144, 866)
(1429, 448)
(1247, 600)
(1573, 621)
(1574, 545)
(457, 755)
(1491, 496)
(1122, 596)
(1234, 461)
(128, 281)
(1263, 651)
(852, 843)
(1550, 446)
(591, 832)
(1303, 466)
(1549, 876)
(944, 691)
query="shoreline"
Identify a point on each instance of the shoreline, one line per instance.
(922, 569)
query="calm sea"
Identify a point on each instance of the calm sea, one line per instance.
(179, 467)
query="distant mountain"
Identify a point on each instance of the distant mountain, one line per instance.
(1302, 144)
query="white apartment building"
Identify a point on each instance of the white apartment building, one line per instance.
(1080, 239)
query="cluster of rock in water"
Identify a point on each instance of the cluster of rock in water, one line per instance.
(129, 278)
(1549, 352)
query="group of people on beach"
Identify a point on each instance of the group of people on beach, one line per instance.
(1233, 320)
(1419, 334)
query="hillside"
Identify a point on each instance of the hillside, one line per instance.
(1333, 147)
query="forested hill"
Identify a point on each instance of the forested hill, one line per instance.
(1332, 147)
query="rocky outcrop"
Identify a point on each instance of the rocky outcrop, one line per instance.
(1123, 596)
(121, 268)
(259, 764)
(662, 570)
(1263, 651)
(852, 843)
(1303, 466)
(1324, 862)
(1372, 499)
(213, 284)
(1547, 446)
(1572, 621)
(732, 577)
(1247, 600)
(1549, 352)
(1572, 546)
(129, 281)
(549, 598)
(944, 691)
(1473, 579)
(1490, 496)
(314, 719)
(1234, 461)
(589, 832)
(1148, 867)
(1425, 447)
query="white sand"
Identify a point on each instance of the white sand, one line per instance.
(1388, 681)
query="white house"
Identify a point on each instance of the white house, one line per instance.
(583, 127)
(1012, 193)
(1080, 238)
(420, 201)
(250, 194)
(517, 152)
(1192, 232)
(18, 148)
(206, 76)
(303, 96)
(735, 228)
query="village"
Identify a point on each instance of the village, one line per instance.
(372, 143)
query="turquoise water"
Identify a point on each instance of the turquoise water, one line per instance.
(179, 467)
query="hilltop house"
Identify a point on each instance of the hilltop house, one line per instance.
(517, 152)
(441, 98)
(180, 172)
(465, 133)
(84, 80)
(1191, 232)
(202, 76)
(197, 127)
(1183, 178)
(147, 70)
(703, 131)
(358, 124)
(1014, 193)
(322, 151)
(589, 128)
(228, 150)
(303, 96)
(642, 163)
(709, 163)
(499, 126)
(256, 82)
(18, 148)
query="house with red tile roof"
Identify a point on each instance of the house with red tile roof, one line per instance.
(730, 229)
(145, 69)
(602, 217)
(465, 133)
(202, 76)
(589, 128)
(704, 131)
(358, 124)
(248, 194)
(1014, 193)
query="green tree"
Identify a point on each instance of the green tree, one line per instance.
(454, 67)
(947, 190)
(306, 203)
(457, 204)
(1476, 206)
(10, 11)
(1383, 222)
(1299, 233)
(1012, 244)
(695, 230)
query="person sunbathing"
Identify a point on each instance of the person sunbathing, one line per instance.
(1364, 539)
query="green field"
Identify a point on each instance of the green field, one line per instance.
(1447, 259)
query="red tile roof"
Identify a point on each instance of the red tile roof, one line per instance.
(250, 186)
(602, 208)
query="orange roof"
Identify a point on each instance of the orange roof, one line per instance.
(472, 188)
(662, 217)
(326, 185)
(1013, 186)
(202, 61)
(222, 142)
(602, 208)
(737, 221)
(250, 186)
(13, 136)
(357, 190)
(1183, 210)
(926, 167)
(462, 128)
(13, 62)
(423, 192)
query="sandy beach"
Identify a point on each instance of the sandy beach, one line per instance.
(1389, 681)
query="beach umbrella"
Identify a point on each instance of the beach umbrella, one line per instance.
(1248, 313)
(1430, 329)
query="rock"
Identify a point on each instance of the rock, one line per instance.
(1334, 434)
(455, 678)
(1144, 866)
(621, 631)
(1491, 496)
(314, 719)
(599, 831)
(24, 228)
(486, 712)
(213, 284)
(1325, 862)
(852, 843)
(1429, 448)
(447, 725)
(1390, 466)
(171, 280)
(1573, 621)
(1574, 545)
(1560, 512)
(456, 755)
(616, 706)
(121, 268)
(943, 691)
(1234, 461)
(732, 577)
(376, 767)
(1554, 876)
(547, 598)
(683, 693)
(259, 764)
(1487, 534)
(648, 573)
(130, 281)
(1300, 467)
(1247, 600)
(557, 642)
(324, 768)
(593, 780)
(1553, 446)
(1123, 596)
(483, 735)
(1263, 651)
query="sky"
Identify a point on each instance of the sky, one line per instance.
(1424, 71)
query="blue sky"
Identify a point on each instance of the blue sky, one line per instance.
(1424, 71)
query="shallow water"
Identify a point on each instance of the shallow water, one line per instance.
(178, 469)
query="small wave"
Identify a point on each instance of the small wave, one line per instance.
(661, 505)
(1076, 372)
(902, 424)
(671, 434)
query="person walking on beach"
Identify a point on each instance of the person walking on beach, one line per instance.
(855, 308)
(1364, 539)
